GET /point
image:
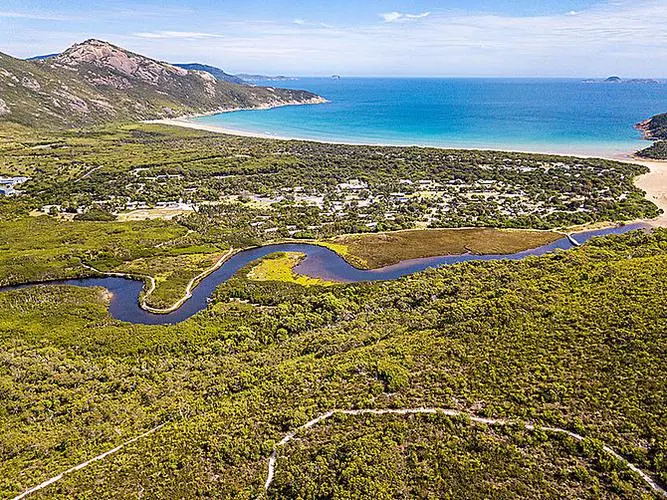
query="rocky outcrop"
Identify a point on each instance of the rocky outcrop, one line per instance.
(655, 128)
(106, 56)
(4, 109)
(31, 83)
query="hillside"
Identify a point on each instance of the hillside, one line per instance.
(41, 58)
(654, 129)
(95, 82)
(216, 72)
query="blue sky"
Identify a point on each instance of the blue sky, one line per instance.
(363, 37)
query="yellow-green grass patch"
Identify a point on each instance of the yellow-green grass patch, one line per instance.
(280, 267)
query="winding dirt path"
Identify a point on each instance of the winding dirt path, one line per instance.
(152, 284)
(87, 462)
(87, 174)
(444, 411)
(368, 411)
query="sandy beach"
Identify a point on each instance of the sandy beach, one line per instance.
(654, 183)
(188, 123)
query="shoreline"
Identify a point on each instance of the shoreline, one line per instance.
(188, 121)
(654, 183)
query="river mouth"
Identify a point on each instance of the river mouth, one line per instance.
(319, 262)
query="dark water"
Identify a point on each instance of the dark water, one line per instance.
(320, 262)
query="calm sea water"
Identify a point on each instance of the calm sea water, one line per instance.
(551, 115)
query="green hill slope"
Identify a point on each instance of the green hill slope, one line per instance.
(654, 129)
(95, 82)
(216, 72)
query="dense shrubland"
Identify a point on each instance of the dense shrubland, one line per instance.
(656, 151)
(429, 456)
(575, 340)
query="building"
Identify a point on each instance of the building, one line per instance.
(8, 185)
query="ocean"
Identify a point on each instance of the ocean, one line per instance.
(542, 115)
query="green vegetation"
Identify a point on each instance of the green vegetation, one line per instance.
(573, 340)
(657, 151)
(421, 456)
(44, 248)
(172, 273)
(383, 249)
(280, 267)
(87, 178)
(655, 129)
(95, 82)
(248, 191)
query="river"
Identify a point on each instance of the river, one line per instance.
(320, 262)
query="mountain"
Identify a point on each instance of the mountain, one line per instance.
(216, 72)
(41, 58)
(655, 128)
(95, 82)
(254, 78)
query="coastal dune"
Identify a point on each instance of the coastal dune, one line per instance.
(655, 185)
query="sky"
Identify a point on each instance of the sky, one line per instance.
(515, 38)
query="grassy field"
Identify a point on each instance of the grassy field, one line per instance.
(43, 248)
(574, 340)
(382, 249)
(172, 273)
(280, 267)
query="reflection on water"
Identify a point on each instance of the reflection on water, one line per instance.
(320, 262)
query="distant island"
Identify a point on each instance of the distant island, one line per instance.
(336, 77)
(254, 78)
(618, 79)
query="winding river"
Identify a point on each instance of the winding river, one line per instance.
(320, 262)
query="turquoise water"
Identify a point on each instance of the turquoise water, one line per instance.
(551, 115)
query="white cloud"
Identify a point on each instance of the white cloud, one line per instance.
(625, 37)
(299, 21)
(393, 17)
(167, 35)
(27, 15)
